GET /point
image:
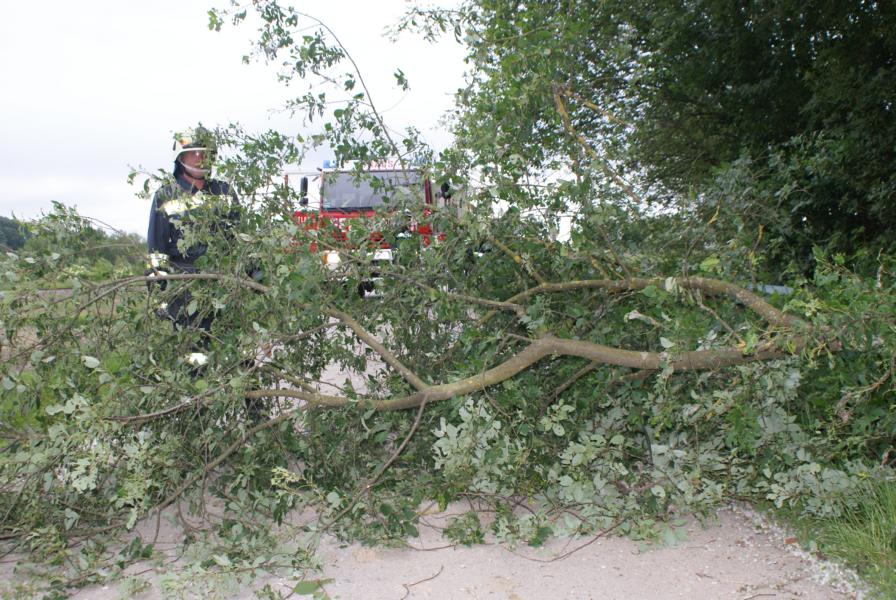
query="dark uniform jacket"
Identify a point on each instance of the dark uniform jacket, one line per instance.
(176, 205)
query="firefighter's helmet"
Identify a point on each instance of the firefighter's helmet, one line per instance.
(198, 138)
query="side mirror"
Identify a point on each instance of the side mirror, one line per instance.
(303, 191)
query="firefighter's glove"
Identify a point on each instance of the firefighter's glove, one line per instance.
(156, 264)
(196, 359)
(152, 274)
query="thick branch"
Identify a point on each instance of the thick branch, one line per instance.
(551, 346)
(548, 345)
(709, 286)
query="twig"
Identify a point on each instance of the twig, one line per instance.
(155, 537)
(378, 347)
(373, 108)
(196, 401)
(517, 308)
(565, 385)
(710, 286)
(300, 383)
(518, 259)
(306, 334)
(223, 456)
(345, 318)
(436, 548)
(591, 105)
(407, 586)
(577, 548)
(567, 124)
(143, 418)
(724, 323)
(366, 487)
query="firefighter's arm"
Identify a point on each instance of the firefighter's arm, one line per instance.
(159, 231)
(156, 242)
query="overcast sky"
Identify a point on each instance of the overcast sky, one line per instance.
(93, 87)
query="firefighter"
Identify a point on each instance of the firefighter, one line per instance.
(175, 208)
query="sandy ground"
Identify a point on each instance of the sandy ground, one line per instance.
(731, 559)
(739, 557)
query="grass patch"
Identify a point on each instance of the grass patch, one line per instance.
(864, 539)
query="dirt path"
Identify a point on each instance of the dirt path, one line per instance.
(735, 558)
(731, 559)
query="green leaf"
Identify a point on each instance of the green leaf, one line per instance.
(709, 264)
(540, 536)
(308, 588)
(222, 560)
(650, 291)
(71, 517)
(90, 362)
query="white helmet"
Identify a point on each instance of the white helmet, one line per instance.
(198, 138)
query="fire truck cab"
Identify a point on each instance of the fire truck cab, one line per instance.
(335, 199)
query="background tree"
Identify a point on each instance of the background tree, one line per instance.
(12, 233)
(678, 98)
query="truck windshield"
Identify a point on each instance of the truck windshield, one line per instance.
(344, 191)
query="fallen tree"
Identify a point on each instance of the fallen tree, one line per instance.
(72, 374)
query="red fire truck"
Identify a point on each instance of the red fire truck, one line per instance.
(346, 196)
